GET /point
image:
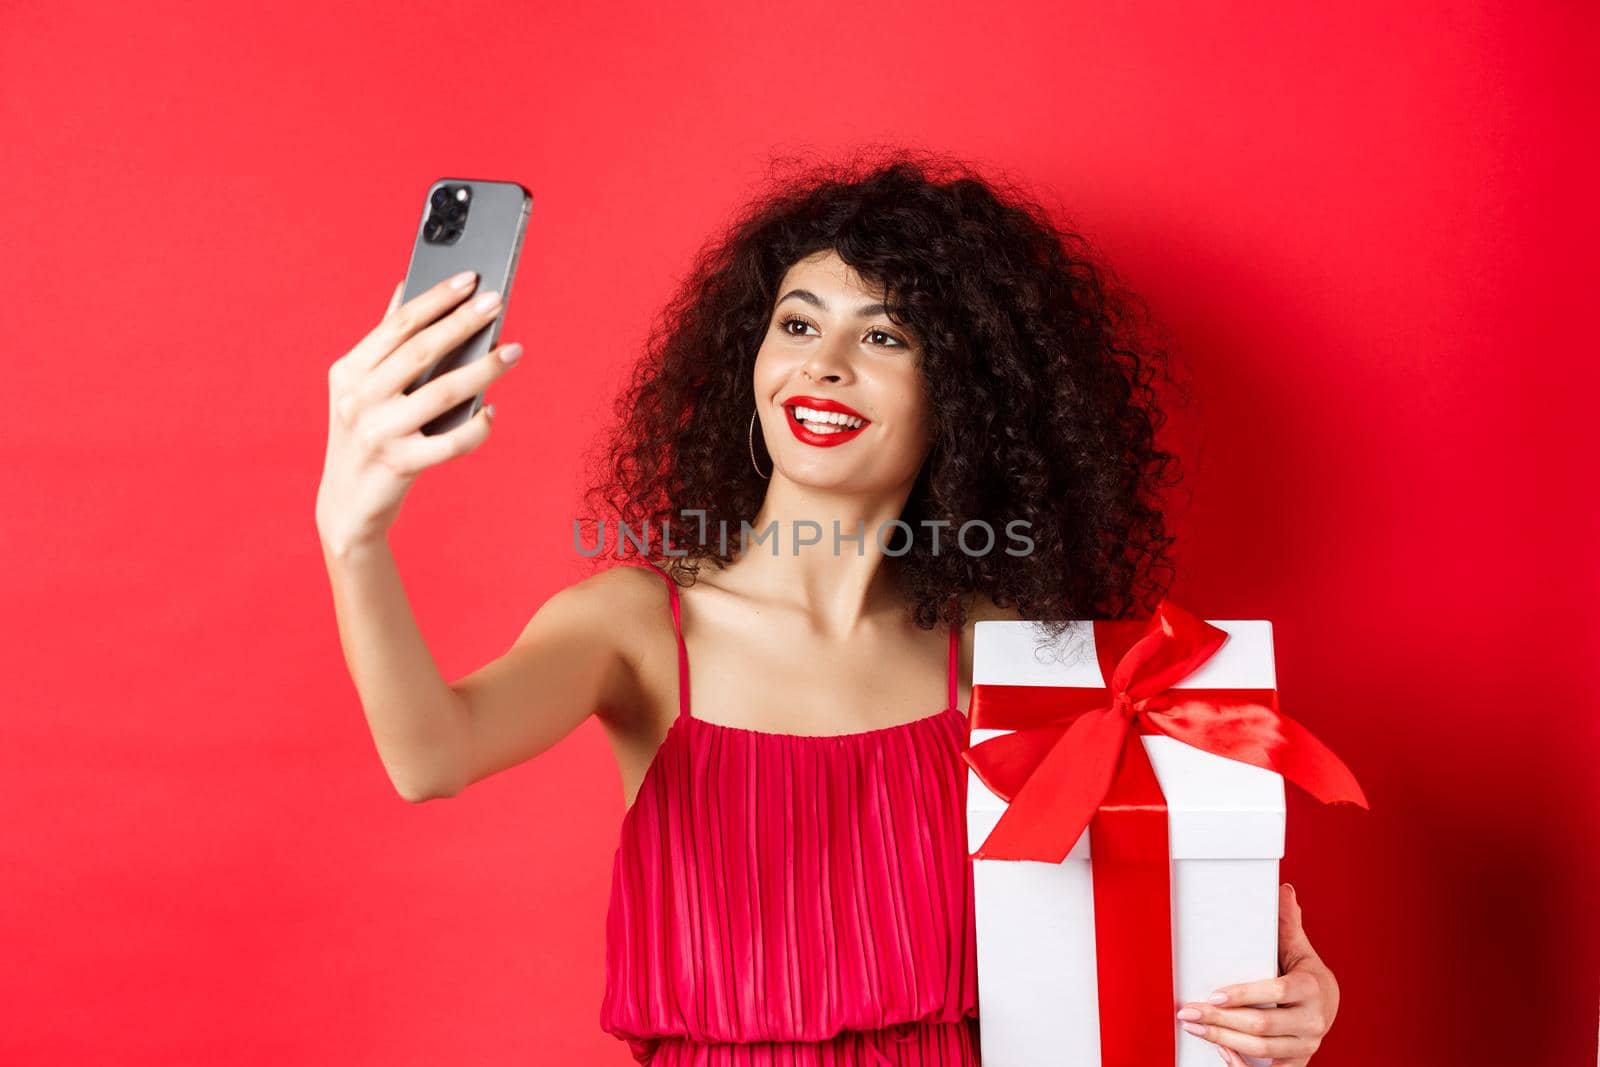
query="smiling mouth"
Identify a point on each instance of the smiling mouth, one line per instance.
(824, 422)
(822, 429)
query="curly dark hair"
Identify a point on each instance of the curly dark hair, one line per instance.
(1038, 381)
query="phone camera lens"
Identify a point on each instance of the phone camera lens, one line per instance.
(447, 215)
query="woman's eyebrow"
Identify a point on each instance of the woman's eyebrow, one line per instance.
(864, 311)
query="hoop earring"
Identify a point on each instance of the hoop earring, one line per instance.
(752, 439)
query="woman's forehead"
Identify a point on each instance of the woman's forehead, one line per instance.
(832, 286)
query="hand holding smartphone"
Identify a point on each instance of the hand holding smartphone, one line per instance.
(404, 398)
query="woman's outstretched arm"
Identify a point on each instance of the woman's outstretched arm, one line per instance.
(434, 738)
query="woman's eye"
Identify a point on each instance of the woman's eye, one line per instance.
(892, 340)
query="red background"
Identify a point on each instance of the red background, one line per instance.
(1361, 224)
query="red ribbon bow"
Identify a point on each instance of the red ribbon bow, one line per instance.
(1074, 761)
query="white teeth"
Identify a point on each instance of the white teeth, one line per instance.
(826, 421)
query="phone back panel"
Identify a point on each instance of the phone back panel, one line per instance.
(489, 243)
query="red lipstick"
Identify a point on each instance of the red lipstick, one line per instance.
(826, 439)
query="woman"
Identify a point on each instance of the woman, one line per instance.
(870, 368)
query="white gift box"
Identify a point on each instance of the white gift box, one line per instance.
(1038, 996)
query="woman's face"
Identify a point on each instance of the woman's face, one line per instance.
(828, 339)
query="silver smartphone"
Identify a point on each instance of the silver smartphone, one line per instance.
(467, 225)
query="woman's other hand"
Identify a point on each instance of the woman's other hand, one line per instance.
(1306, 993)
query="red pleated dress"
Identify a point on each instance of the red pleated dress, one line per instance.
(795, 900)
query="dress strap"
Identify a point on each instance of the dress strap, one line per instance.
(955, 646)
(677, 632)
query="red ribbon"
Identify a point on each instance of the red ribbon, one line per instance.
(1074, 761)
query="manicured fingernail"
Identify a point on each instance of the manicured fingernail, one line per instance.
(1222, 1054)
(1194, 1028)
(486, 301)
(1189, 1013)
(462, 280)
(1218, 998)
(511, 353)
(488, 412)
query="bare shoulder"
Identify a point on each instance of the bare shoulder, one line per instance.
(624, 585)
(608, 599)
(629, 603)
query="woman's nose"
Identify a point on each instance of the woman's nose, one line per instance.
(828, 363)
